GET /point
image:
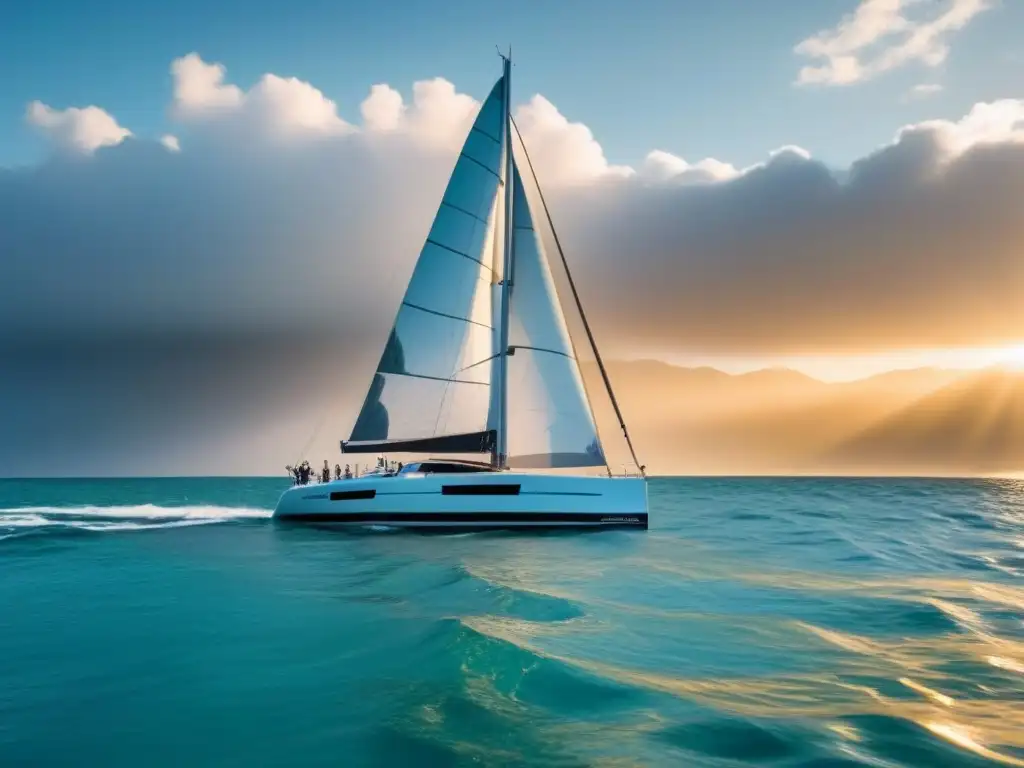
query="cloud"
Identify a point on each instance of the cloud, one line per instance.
(324, 224)
(273, 232)
(76, 129)
(566, 151)
(882, 35)
(281, 106)
(924, 90)
(664, 166)
(916, 245)
(383, 109)
(987, 123)
(199, 87)
(438, 115)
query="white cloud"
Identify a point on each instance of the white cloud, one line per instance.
(279, 106)
(84, 129)
(292, 228)
(383, 109)
(563, 152)
(790, 151)
(882, 35)
(439, 112)
(662, 166)
(924, 90)
(199, 87)
(996, 122)
(289, 104)
(438, 116)
(170, 143)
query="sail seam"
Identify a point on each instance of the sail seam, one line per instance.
(474, 160)
(443, 314)
(484, 133)
(458, 253)
(460, 209)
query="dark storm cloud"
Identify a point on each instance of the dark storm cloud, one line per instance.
(912, 248)
(136, 239)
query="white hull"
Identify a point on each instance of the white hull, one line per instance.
(474, 500)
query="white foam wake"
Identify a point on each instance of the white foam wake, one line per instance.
(133, 517)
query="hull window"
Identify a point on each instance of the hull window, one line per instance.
(497, 489)
(352, 495)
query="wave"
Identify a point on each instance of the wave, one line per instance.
(134, 517)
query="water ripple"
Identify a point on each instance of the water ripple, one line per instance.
(802, 623)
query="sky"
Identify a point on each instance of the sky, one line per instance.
(693, 78)
(831, 185)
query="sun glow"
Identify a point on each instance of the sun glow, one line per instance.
(849, 367)
(1013, 357)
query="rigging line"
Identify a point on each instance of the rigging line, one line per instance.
(474, 365)
(440, 405)
(437, 421)
(316, 432)
(579, 305)
(444, 394)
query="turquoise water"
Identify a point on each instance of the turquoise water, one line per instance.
(790, 622)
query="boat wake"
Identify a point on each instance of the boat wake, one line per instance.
(19, 521)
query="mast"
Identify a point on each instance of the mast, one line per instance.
(499, 456)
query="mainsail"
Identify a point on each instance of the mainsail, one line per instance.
(431, 389)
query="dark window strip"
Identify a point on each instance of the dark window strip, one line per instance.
(367, 493)
(496, 489)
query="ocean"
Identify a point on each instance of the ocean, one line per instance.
(803, 623)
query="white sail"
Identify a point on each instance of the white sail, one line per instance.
(551, 423)
(431, 390)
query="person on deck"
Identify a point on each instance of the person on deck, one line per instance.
(337, 471)
(304, 471)
(348, 472)
(325, 473)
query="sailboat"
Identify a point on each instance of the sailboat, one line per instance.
(480, 361)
